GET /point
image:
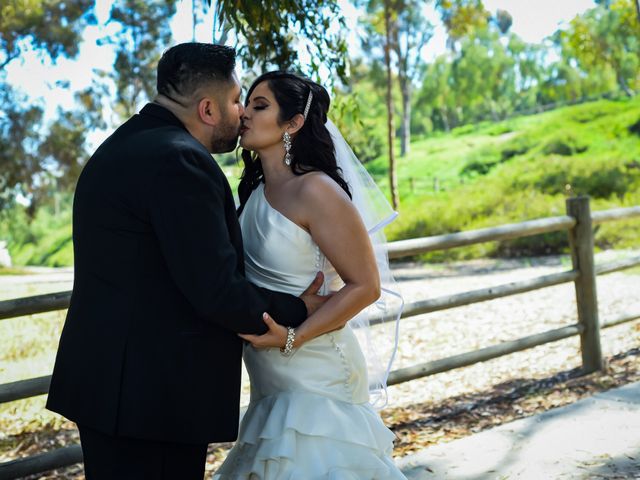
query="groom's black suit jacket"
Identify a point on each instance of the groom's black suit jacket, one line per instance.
(149, 347)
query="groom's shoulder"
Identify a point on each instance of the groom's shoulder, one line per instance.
(173, 144)
(182, 154)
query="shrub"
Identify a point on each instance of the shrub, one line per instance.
(635, 128)
(564, 144)
(517, 146)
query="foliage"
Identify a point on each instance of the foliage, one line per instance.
(409, 33)
(273, 35)
(462, 18)
(18, 141)
(143, 35)
(45, 240)
(53, 26)
(492, 74)
(606, 38)
(488, 75)
(366, 143)
(358, 113)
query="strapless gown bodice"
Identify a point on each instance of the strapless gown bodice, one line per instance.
(309, 416)
(279, 254)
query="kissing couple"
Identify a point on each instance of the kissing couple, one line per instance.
(173, 288)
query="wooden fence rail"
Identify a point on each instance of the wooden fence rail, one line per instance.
(578, 222)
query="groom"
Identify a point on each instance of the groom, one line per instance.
(149, 360)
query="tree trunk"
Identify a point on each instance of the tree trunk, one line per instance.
(393, 182)
(623, 85)
(405, 131)
(445, 119)
(638, 9)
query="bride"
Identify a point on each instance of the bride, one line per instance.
(306, 206)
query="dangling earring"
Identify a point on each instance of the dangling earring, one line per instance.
(286, 138)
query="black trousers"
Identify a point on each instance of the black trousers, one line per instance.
(119, 458)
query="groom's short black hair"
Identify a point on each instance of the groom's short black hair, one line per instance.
(188, 66)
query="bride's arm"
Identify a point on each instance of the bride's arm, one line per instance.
(336, 226)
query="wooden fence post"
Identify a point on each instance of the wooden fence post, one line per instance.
(581, 243)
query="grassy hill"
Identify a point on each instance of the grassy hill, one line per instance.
(477, 176)
(519, 169)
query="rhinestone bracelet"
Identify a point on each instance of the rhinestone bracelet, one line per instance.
(288, 346)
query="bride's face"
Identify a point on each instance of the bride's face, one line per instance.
(261, 129)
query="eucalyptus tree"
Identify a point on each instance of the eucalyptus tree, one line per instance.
(381, 25)
(143, 33)
(462, 18)
(436, 95)
(483, 77)
(606, 37)
(54, 28)
(503, 21)
(302, 35)
(410, 34)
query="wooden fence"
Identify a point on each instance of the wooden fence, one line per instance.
(578, 222)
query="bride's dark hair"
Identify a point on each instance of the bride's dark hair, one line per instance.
(311, 147)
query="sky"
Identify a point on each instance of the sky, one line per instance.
(533, 20)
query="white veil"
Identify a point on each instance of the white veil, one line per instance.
(380, 343)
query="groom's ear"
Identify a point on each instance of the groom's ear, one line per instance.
(295, 124)
(209, 111)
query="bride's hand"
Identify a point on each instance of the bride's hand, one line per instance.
(275, 337)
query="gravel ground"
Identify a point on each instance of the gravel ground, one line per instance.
(441, 334)
(449, 332)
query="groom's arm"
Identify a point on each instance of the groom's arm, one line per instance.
(187, 212)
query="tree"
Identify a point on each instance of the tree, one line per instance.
(357, 111)
(381, 24)
(19, 138)
(606, 37)
(393, 180)
(410, 33)
(531, 70)
(144, 34)
(483, 77)
(503, 21)
(436, 94)
(461, 18)
(274, 34)
(53, 27)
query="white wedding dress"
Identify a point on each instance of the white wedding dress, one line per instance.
(309, 416)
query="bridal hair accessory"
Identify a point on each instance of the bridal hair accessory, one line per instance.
(288, 346)
(306, 109)
(377, 326)
(286, 138)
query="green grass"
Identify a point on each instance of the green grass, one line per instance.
(521, 169)
(486, 174)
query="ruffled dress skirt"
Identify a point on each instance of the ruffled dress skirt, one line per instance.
(309, 417)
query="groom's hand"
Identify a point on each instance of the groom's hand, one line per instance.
(310, 296)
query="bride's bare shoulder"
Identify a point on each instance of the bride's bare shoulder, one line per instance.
(315, 187)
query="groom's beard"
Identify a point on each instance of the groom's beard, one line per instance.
(225, 137)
